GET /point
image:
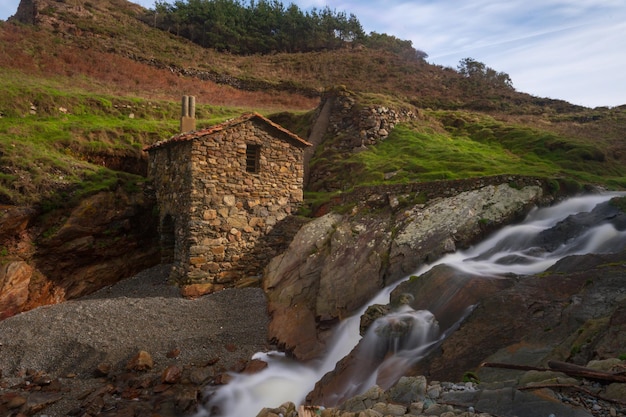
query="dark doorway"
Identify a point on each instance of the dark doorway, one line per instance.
(168, 239)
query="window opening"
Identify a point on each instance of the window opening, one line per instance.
(253, 155)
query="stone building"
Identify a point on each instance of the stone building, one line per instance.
(220, 191)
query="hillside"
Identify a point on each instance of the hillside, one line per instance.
(87, 85)
(104, 84)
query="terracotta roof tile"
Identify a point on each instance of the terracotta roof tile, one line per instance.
(187, 136)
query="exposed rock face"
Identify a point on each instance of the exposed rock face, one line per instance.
(53, 258)
(313, 284)
(574, 312)
(14, 281)
(314, 280)
(445, 224)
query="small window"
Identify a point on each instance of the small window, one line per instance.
(253, 155)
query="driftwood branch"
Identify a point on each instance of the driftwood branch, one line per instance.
(584, 372)
(512, 366)
(573, 387)
(566, 368)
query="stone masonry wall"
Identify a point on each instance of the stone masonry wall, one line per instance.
(233, 210)
(360, 126)
(170, 170)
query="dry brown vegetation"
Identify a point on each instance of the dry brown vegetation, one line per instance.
(34, 52)
(100, 57)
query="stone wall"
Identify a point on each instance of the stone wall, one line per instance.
(224, 215)
(351, 124)
(170, 171)
(362, 125)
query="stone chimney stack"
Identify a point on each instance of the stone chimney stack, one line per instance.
(188, 114)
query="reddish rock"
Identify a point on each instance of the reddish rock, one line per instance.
(15, 278)
(103, 369)
(142, 361)
(12, 400)
(196, 290)
(37, 401)
(222, 379)
(14, 220)
(107, 237)
(171, 375)
(254, 366)
(174, 353)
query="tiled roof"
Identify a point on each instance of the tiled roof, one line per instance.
(183, 137)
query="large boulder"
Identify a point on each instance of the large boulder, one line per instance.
(338, 262)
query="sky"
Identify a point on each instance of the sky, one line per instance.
(573, 50)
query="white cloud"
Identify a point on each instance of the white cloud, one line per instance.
(566, 49)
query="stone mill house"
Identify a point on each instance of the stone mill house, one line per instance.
(220, 191)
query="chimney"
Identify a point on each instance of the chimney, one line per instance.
(188, 114)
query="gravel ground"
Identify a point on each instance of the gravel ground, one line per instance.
(140, 313)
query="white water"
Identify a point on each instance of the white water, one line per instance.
(507, 251)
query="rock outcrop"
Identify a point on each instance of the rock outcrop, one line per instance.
(339, 261)
(61, 255)
(573, 312)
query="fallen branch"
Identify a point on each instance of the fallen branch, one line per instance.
(564, 367)
(584, 372)
(512, 366)
(574, 387)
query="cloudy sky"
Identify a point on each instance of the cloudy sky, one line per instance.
(573, 50)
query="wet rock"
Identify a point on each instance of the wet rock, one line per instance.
(287, 409)
(307, 283)
(372, 313)
(254, 366)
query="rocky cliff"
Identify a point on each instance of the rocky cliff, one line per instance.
(59, 255)
(339, 261)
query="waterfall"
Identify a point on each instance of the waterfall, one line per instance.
(404, 336)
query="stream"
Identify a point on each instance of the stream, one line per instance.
(530, 247)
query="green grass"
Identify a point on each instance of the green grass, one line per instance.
(472, 146)
(415, 156)
(50, 131)
(49, 135)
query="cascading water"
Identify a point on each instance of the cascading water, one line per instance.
(404, 336)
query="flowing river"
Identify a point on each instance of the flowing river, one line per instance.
(530, 247)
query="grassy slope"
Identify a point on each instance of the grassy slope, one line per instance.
(85, 84)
